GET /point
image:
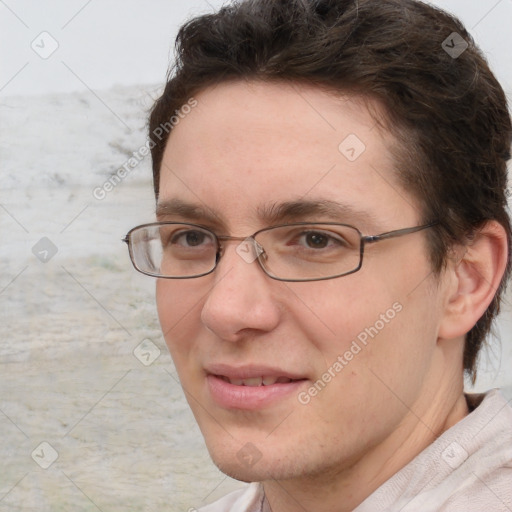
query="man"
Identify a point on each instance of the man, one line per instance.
(332, 244)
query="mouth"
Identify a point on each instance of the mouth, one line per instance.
(251, 388)
(256, 381)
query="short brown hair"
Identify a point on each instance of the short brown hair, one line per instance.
(447, 111)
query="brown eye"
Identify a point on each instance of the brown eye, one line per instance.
(190, 238)
(317, 240)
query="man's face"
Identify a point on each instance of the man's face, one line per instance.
(367, 339)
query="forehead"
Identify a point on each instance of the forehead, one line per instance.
(250, 144)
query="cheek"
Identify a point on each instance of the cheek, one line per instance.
(165, 301)
(178, 314)
(334, 313)
(386, 350)
(370, 323)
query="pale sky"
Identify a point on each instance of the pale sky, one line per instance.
(102, 43)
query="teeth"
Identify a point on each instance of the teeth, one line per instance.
(255, 381)
(258, 381)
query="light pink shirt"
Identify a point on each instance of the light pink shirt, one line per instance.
(467, 469)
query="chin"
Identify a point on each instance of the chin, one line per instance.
(260, 472)
(247, 463)
(238, 473)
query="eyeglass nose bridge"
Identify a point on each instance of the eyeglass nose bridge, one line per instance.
(249, 250)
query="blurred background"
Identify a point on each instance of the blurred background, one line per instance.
(92, 416)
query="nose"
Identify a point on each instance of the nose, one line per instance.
(241, 299)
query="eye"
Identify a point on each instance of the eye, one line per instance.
(190, 238)
(316, 240)
(321, 240)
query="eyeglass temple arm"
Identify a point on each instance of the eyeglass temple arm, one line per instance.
(398, 232)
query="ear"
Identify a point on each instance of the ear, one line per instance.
(473, 279)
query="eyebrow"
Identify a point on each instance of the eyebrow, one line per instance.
(272, 213)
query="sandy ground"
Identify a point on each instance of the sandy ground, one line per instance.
(70, 377)
(70, 326)
(85, 424)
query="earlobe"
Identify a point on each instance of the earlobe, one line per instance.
(475, 276)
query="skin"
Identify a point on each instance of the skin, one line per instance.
(248, 144)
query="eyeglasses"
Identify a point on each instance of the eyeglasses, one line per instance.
(303, 251)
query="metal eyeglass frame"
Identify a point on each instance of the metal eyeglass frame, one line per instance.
(364, 239)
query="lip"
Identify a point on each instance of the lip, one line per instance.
(231, 396)
(251, 371)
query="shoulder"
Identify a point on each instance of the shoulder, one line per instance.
(484, 460)
(475, 459)
(247, 499)
(467, 469)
